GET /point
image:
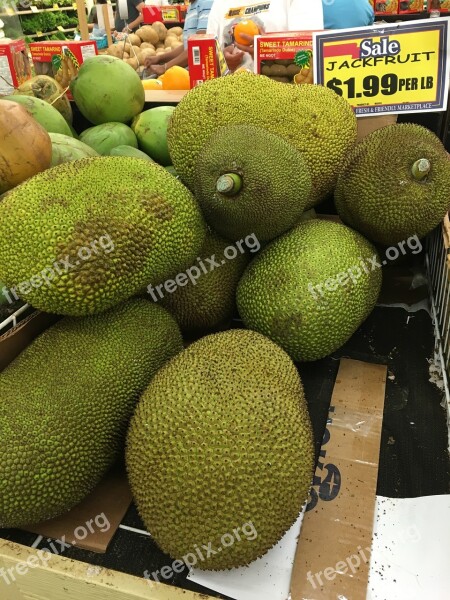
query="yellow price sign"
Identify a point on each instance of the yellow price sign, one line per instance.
(386, 69)
(169, 14)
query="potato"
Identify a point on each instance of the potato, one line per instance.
(161, 29)
(134, 39)
(176, 30)
(133, 62)
(146, 45)
(159, 46)
(135, 50)
(177, 44)
(125, 56)
(148, 34)
(147, 53)
(121, 47)
(169, 40)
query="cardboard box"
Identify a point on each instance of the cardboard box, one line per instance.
(61, 60)
(205, 59)
(385, 7)
(444, 6)
(15, 66)
(368, 124)
(406, 7)
(285, 57)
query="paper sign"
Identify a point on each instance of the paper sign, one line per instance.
(386, 69)
(169, 14)
(34, 9)
(333, 552)
(60, 28)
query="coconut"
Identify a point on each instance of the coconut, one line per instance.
(48, 89)
(66, 149)
(26, 148)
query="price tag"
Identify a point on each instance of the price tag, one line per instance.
(34, 9)
(39, 33)
(74, 5)
(60, 28)
(56, 7)
(386, 69)
(169, 14)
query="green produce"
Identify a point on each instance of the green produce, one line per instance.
(111, 225)
(310, 289)
(25, 149)
(45, 114)
(207, 301)
(63, 426)
(248, 180)
(129, 151)
(48, 89)
(389, 198)
(221, 439)
(103, 138)
(150, 128)
(313, 118)
(171, 170)
(107, 90)
(65, 148)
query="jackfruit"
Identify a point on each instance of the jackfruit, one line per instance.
(207, 301)
(221, 438)
(313, 118)
(85, 235)
(248, 180)
(310, 289)
(66, 404)
(390, 198)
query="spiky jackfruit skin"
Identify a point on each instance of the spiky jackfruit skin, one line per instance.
(144, 225)
(66, 402)
(276, 182)
(221, 438)
(210, 302)
(314, 119)
(286, 292)
(376, 193)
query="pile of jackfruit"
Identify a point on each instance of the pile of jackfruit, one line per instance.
(149, 234)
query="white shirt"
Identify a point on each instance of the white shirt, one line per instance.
(275, 15)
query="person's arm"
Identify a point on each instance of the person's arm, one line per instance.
(131, 26)
(304, 15)
(179, 57)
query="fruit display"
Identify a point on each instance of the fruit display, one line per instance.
(181, 248)
(149, 40)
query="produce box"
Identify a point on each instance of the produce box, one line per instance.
(61, 60)
(407, 7)
(285, 57)
(444, 6)
(385, 7)
(15, 66)
(205, 59)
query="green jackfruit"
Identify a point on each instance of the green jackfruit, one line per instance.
(103, 138)
(208, 302)
(66, 404)
(395, 184)
(248, 181)
(221, 438)
(314, 119)
(85, 235)
(310, 289)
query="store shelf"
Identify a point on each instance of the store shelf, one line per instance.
(164, 95)
(44, 33)
(19, 13)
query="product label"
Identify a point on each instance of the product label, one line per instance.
(386, 69)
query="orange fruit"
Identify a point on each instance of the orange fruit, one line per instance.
(152, 84)
(175, 78)
(248, 27)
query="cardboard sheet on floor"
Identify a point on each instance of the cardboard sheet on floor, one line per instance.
(104, 509)
(341, 510)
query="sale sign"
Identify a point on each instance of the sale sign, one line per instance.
(386, 68)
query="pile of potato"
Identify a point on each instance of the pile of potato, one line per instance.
(149, 40)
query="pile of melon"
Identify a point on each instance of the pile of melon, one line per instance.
(149, 40)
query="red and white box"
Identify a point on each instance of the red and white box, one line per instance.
(15, 67)
(205, 59)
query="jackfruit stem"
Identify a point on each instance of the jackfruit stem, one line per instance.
(420, 169)
(229, 184)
